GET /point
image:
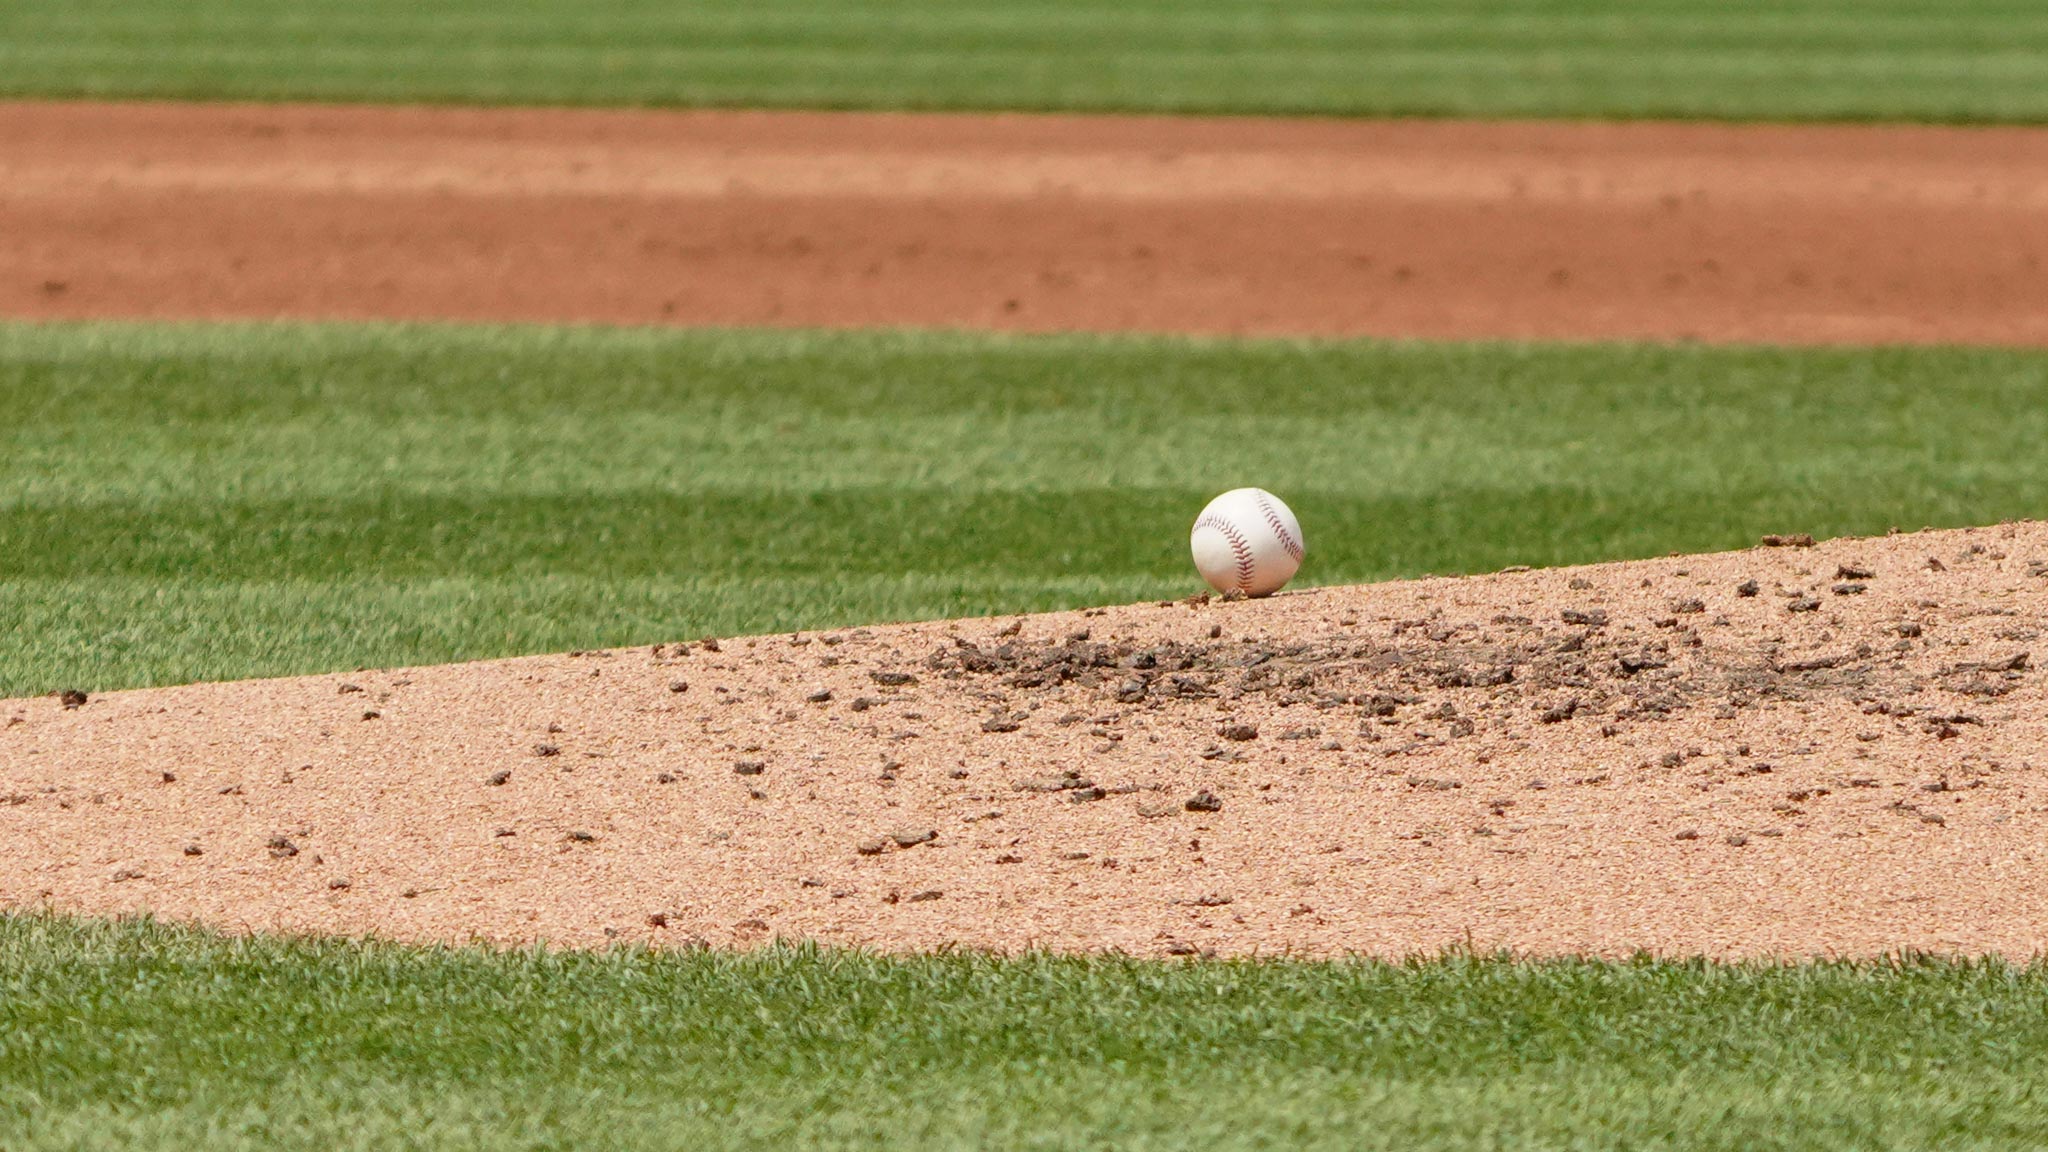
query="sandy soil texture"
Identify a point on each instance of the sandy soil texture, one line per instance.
(1789, 234)
(1787, 751)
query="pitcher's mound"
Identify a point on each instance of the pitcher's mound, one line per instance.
(1785, 751)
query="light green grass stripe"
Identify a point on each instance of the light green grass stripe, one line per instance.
(1968, 60)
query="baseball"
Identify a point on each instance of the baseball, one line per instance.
(1247, 541)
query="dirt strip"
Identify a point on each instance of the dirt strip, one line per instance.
(1439, 229)
(1787, 751)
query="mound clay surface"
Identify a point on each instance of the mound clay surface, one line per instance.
(1783, 751)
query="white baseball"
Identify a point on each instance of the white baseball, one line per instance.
(1247, 541)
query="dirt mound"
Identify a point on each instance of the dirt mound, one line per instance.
(1798, 234)
(1790, 750)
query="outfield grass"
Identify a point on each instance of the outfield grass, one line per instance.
(139, 1036)
(197, 502)
(1749, 59)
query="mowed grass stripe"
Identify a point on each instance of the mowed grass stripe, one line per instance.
(129, 1034)
(1750, 59)
(197, 502)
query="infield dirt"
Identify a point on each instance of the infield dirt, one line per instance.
(1797, 234)
(1786, 751)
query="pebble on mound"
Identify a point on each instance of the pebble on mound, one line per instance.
(1793, 750)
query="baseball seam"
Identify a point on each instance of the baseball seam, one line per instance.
(1239, 547)
(1279, 527)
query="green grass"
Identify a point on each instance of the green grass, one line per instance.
(132, 1035)
(1969, 60)
(180, 503)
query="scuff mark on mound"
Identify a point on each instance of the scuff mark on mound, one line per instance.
(1507, 661)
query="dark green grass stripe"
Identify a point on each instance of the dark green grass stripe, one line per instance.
(736, 537)
(1744, 59)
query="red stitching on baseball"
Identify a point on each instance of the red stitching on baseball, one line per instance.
(1239, 546)
(1279, 528)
